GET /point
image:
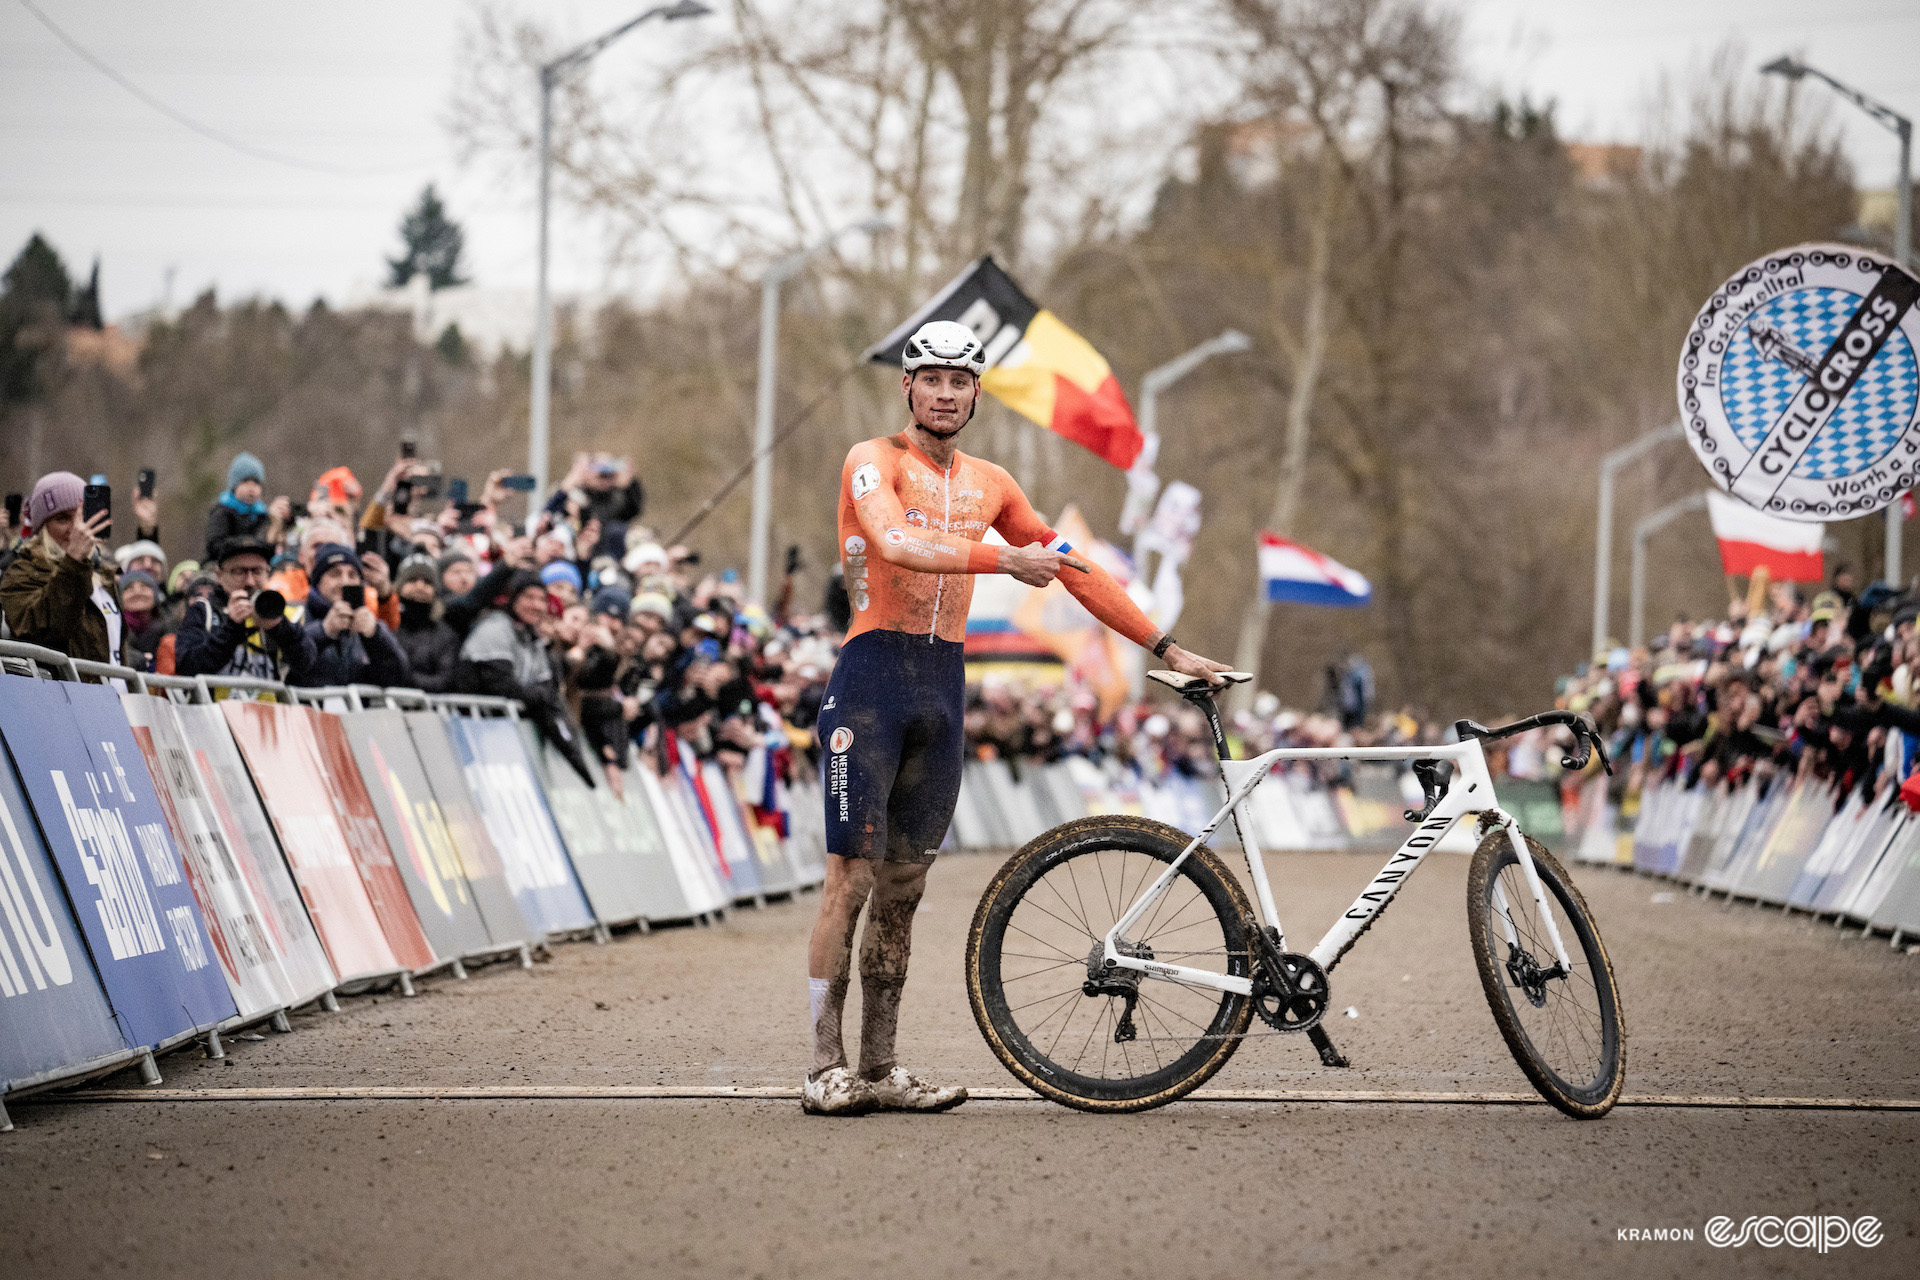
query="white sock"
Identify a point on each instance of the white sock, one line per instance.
(817, 996)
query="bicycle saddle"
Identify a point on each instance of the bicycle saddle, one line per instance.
(1183, 684)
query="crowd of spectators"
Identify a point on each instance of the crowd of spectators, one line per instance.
(1811, 685)
(613, 643)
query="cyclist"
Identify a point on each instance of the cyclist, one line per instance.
(913, 513)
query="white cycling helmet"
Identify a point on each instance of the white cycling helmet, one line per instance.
(944, 344)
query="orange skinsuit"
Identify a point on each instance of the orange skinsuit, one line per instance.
(910, 537)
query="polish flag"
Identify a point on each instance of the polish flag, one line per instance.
(1788, 549)
(1296, 574)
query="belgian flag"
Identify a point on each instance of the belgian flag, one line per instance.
(1036, 366)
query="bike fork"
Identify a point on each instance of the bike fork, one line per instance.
(1539, 891)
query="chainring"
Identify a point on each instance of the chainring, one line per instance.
(1299, 1008)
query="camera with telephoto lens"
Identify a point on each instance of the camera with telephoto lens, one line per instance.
(269, 606)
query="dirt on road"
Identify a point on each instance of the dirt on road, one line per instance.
(1719, 1001)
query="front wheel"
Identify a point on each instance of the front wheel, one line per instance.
(1564, 1027)
(1119, 1040)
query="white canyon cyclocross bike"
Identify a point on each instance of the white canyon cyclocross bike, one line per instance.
(1115, 964)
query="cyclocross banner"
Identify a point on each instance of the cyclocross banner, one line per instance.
(1799, 385)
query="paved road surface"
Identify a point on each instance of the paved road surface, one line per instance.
(1720, 1001)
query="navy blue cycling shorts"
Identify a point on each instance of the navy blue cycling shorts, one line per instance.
(891, 730)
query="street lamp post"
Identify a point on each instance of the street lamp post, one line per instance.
(1603, 532)
(779, 273)
(1793, 69)
(539, 415)
(1643, 530)
(1143, 488)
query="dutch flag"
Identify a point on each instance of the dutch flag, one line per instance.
(1299, 576)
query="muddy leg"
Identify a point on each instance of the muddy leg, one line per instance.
(884, 947)
(830, 955)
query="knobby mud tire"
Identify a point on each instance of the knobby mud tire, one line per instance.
(1493, 854)
(1020, 873)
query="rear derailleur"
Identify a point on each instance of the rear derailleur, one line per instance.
(1104, 978)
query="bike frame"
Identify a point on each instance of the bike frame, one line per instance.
(1469, 791)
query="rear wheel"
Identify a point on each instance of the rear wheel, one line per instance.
(1108, 1042)
(1564, 1028)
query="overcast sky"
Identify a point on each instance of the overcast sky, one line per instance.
(363, 87)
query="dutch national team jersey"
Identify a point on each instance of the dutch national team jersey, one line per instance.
(910, 539)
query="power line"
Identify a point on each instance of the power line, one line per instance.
(187, 121)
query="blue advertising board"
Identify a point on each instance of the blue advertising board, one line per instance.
(89, 787)
(514, 810)
(53, 1013)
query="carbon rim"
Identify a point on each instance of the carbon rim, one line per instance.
(1034, 969)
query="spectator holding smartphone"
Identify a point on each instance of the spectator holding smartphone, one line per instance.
(60, 592)
(351, 645)
(605, 489)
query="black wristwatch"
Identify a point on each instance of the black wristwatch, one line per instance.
(1166, 642)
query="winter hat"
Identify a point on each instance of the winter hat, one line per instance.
(647, 553)
(181, 572)
(132, 576)
(561, 571)
(521, 580)
(453, 556)
(338, 485)
(612, 600)
(330, 556)
(243, 468)
(53, 493)
(134, 550)
(652, 602)
(417, 569)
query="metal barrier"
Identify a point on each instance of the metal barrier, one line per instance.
(426, 831)
(1792, 844)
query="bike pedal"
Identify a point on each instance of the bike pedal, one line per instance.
(1329, 1056)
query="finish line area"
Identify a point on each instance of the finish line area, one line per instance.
(631, 1109)
(982, 1093)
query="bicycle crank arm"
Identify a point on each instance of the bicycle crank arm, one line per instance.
(1329, 1056)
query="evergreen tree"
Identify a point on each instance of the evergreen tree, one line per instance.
(85, 311)
(431, 242)
(35, 296)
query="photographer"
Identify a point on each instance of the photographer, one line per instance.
(351, 645)
(226, 635)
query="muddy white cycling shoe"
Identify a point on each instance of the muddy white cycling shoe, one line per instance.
(837, 1092)
(899, 1090)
